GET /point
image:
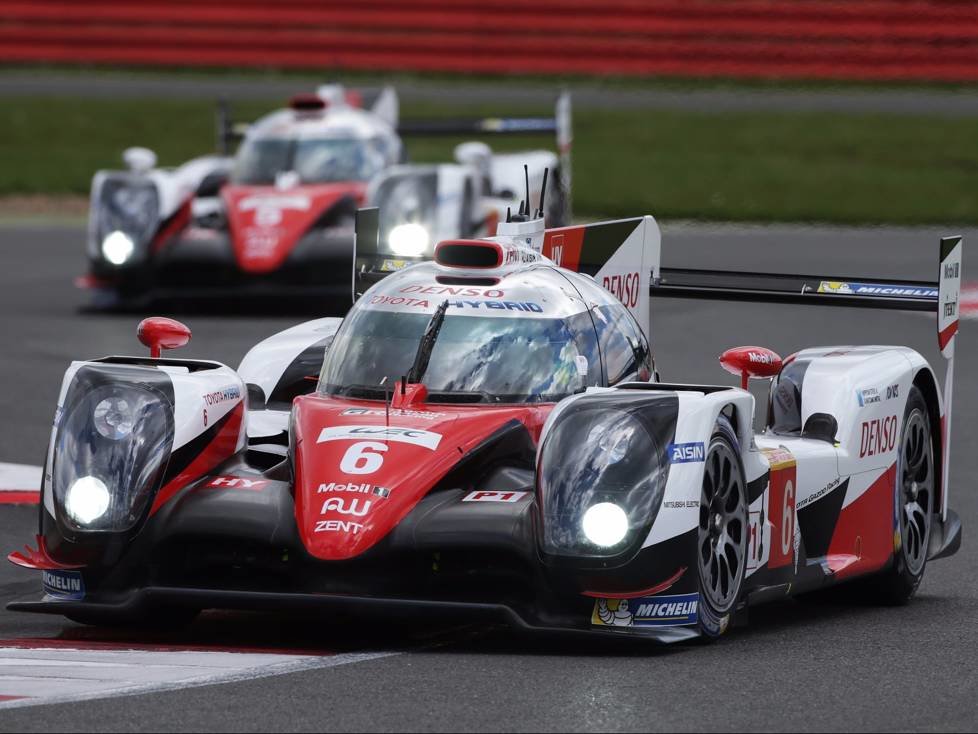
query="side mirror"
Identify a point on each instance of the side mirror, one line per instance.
(748, 362)
(139, 160)
(159, 333)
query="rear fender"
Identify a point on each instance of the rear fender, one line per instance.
(865, 390)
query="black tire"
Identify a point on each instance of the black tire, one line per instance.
(160, 618)
(915, 483)
(722, 535)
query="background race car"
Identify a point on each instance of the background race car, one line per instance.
(278, 216)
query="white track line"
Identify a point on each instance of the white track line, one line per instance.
(19, 478)
(38, 675)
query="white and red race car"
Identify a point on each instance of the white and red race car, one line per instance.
(277, 217)
(487, 434)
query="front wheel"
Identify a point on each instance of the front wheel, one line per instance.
(722, 533)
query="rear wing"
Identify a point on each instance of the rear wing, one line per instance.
(559, 125)
(941, 296)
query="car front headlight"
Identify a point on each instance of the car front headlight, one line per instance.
(409, 240)
(408, 207)
(601, 474)
(128, 217)
(86, 500)
(118, 247)
(110, 449)
(605, 524)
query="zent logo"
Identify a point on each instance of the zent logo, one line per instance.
(878, 436)
(687, 453)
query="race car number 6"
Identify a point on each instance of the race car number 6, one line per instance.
(363, 457)
(788, 518)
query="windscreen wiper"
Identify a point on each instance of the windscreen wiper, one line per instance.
(426, 346)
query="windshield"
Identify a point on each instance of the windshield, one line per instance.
(475, 358)
(322, 160)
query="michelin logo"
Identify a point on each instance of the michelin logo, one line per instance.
(66, 585)
(687, 453)
(876, 289)
(649, 611)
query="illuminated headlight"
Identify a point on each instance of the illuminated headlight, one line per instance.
(111, 446)
(409, 240)
(87, 500)
(605, 524)
(118, 247)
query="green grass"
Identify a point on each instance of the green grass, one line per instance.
(726, 166)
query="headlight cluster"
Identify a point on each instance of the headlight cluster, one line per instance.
(110, 450)
(408, 207)
(601, 474)
(128, 216)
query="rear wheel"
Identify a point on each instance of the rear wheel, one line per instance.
(915, 500)
(722, 533)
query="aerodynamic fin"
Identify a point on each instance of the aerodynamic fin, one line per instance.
(387, 106)
(622, 256)
(366, 246)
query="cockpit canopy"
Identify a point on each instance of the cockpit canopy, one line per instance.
(515, 344)
(314, 160)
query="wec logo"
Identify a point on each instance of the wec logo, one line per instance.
(416, 436)
(687, 453)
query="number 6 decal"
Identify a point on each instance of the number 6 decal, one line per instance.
(788, 518)
(363, 457)
(781, 507)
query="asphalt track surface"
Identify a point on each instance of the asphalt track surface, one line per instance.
(891, 101)
(794, 667)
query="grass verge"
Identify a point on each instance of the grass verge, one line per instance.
(738, 166)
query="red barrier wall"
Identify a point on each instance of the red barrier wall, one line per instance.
(817, 39)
